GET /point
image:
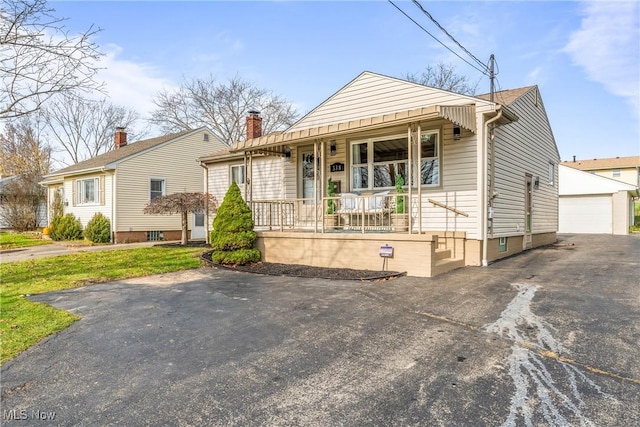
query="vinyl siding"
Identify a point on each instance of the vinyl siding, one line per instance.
(371, 95)
(175, 162)
(85, 212)
(525, 147)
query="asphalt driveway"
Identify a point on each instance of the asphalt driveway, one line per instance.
(550, 337)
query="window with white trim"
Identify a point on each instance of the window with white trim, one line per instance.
(237, 174)
(88, 191)
(552, 174)
(157, 188)
(429, 158)
(385, 158)
(616, 173)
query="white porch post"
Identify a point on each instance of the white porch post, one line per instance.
(409, 174)
(419, 163)
(322, 181)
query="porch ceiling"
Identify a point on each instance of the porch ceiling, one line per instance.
(462, 115)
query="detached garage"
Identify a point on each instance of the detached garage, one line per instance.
(591, 203)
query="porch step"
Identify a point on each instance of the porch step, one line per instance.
(445, 265)
(442, 254)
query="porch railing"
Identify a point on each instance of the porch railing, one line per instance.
(348, 212)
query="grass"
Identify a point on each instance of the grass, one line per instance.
(24, 323)
(20, 240)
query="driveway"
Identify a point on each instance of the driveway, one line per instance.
(550, 337)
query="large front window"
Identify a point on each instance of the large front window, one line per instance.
(386, 158)
(87, 191)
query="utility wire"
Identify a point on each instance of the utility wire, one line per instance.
(417, 3)
(483, 71)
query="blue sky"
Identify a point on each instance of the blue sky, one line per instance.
(584, 56)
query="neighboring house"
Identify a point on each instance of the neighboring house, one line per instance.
(591, 203)
(4, 188)
(625, 169)
(480, 178)
(121, 182)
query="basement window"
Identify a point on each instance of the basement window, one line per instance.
(155, 236)
(502, 244)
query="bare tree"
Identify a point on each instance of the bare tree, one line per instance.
(443, 76)
(26, 158)
(84, 128)
(39, 58)
(221, 106)
(181, 203)
(23, 150)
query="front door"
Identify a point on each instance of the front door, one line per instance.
(307, 175)
(528, 212)
(198, 231)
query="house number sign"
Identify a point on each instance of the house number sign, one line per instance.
(337, 167)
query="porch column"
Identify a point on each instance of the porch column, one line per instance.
(315, 185)
(419, 163)
(323, 185)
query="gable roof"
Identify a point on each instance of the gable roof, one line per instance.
(608, 163)
(119, 154)
(506, 97)
(573, 182)
(372, 95)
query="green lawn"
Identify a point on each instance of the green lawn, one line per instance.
(20, 240)
(23, 323)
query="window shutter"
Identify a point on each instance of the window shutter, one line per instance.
(74, 192)
(102, 198)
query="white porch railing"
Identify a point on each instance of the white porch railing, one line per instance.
(378, 212)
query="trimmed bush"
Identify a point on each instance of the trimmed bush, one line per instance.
(98, 229)
(66, 227)
(232, 237)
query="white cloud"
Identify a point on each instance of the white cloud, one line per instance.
(129, 83)
(606, 46)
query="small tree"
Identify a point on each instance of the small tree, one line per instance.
(233, 236)
(183, 204)
(66, 227)
(98, 229)
(22, 203)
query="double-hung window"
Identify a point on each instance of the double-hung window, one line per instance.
(237, 174)
(429, 159)
(87, 191)
(376, 162)
(157, 187)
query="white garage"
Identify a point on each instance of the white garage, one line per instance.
(586, 214)
(591, 203)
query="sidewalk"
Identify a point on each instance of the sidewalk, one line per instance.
(56, 249)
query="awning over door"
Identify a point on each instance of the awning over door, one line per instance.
(462, 115)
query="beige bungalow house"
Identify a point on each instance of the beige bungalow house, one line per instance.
(422, 180)
(121, 182)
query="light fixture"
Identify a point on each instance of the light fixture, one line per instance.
(287, 154)
(536, 183)
(332, 147)
(456, 132)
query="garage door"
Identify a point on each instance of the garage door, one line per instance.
(586, 214)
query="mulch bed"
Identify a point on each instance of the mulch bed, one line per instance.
(275, 269)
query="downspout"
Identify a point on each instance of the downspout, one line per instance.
(485, 195)
(206, 205)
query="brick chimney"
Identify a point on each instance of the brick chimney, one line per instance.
(120, 137)
(254, 125)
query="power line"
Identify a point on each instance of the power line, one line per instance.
(417, 3)
(444, 45)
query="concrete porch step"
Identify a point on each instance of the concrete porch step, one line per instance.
(445, 265)
(442, 254)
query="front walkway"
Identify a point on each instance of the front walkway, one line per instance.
(56, 249)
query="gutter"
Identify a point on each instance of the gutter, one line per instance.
(206, 207)
(485, 198)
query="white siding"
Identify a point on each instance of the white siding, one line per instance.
(86, 212)
(175, 162)
(526, 146)
(372, 94)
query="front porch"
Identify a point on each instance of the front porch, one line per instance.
(349, 231)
